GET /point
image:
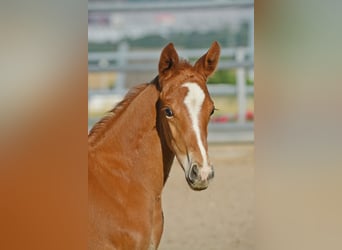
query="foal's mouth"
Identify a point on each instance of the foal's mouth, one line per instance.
(197, 186)
(195, 181)
(193, 174)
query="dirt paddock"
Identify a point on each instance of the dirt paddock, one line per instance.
(220, 217)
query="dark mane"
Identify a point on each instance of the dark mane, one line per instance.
(100, 127)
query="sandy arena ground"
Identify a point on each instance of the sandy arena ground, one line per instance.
(220, 217)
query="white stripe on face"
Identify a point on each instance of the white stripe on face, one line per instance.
(194, 101)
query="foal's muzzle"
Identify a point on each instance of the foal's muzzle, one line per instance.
(198, 176)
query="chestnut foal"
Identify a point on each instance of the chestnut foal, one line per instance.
(131, 150)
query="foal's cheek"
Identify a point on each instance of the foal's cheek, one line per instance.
(173, 131)
(176, 137)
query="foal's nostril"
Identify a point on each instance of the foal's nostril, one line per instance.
(194, 172)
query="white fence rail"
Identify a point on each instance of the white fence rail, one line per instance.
(125, 61)
(105, 6)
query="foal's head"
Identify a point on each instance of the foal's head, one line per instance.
(185, 108)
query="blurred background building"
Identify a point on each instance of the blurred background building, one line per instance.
(125, 39)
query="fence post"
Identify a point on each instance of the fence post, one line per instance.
(251, 45)
(121, 75)
(241, 87)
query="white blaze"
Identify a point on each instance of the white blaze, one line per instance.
(194, 101)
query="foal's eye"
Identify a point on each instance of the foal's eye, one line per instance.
(212, 112)
(168, 112)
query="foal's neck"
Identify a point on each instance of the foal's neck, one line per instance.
(132, 135)
(135, 113)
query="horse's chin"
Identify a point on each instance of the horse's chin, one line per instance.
(197, 186)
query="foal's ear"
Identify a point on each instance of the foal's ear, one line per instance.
(208, 62)
(168, 59)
